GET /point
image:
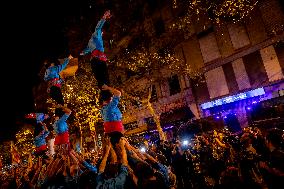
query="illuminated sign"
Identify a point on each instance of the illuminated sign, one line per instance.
(234, 98)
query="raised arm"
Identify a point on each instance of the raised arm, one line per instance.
(123, 152)
(114, 91)
(104, 160)
(97, 32)
(65, 63)
(65, 109)
(113, 155)
(100, 24)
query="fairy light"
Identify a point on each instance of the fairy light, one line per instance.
(139, 60)
(81, 94)
(24, 141)
(174, 4)
(224, 10)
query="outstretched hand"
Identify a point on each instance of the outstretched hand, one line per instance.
(70, 57)
(107, 14)
(105, 87)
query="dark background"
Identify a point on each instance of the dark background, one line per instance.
(31, 31)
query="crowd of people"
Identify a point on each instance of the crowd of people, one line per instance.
(217, 159)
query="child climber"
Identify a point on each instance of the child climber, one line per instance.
(54, 81)
(111, 114)
(40, 142)
(61, 128)
(98, 57)
(38, 119)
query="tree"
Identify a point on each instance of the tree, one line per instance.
(155, 116)
(81, 94)
(24, 141)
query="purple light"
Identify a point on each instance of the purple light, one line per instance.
(217, 117)
(166, 128)
(254, 102)
(225, 117)
(233, 98)
(249, 108)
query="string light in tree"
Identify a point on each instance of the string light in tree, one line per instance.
(81, 95)
(221, 10)
(24, 141)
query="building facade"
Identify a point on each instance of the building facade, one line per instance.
(241, 64)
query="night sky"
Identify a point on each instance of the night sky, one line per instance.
(32, 32)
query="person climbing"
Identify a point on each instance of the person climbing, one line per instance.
(96, 49)
(53, 79)
(111, 114)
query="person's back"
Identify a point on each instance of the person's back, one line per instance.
(54, 81)
(110, 111)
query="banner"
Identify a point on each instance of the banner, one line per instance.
(71, 68)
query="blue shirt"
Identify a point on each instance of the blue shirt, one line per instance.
(96, 41)
(164, 171)
(40, 139)
(90, 167)
(110, 111)
(113, 183)
(39, 117)
(61, 126)
(53, 72)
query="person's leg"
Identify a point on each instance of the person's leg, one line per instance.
(100, 71)
(56, 94)
(115, 137)
(51, 146)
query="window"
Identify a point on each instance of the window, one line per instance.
(216, 82)
(119, 80)
(154, 96)
(271, 64)
(159, 27)
(238, 35)
(174, 85)
(131, 125)
(208, 46)
(150, 123)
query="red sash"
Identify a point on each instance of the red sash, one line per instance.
(62, 138)
(113, 126)
(40, 149)
(98, 54)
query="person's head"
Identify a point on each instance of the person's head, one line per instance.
(178, 143)
(246, 139)
(156, 181)
(46, 116)
(59, 112)
(274, 138)
(38, 129)
(51, 62)
(111, 170)
(105, 96)
(143, 170)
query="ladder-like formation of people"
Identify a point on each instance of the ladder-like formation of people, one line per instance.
(117, 148)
